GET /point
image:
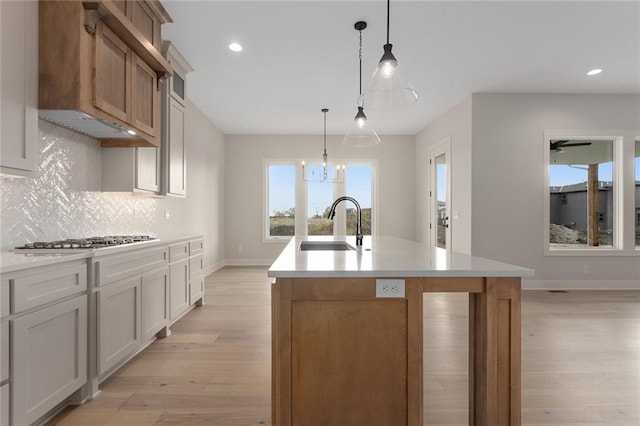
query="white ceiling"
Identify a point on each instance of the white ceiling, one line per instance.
(301, 56)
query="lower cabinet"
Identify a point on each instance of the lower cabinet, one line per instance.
(130, 313)
(49, 353)
(179, 288)
(119, 327)
(196, 289)
(4, 405)
(155, 303)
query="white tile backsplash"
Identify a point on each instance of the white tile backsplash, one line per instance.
(64, 200)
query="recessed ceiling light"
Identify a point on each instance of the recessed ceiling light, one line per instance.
(595, 71)
(131, 132)
(235, 47)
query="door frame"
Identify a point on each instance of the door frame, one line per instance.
(443, 146)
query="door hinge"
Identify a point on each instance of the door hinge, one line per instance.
(429, 226)
(429, 160)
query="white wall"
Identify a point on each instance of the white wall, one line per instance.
(245, 182)
(508, 179)
(456, 125)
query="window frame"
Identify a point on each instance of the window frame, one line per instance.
(301, 226)
(623, 171)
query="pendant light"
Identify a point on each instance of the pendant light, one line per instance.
(338, 175)
(361, 133)
(387, 89)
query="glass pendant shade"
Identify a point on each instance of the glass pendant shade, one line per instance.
(387, 90)
(361, 133)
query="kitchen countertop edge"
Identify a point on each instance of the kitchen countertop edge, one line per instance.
(385, 257)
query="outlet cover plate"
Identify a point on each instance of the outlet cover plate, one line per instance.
(389, 288)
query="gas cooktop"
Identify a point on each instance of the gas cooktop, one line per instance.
(91, 243)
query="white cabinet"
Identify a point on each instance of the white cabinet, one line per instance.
(19, 88)
(4, 405)
(187, 276)
(174, 144)
(49, 353)
(132, 303)
(44, 335)
(179, 288)
(134, 170)
(4, 351)
(155, 303)
(119, 327)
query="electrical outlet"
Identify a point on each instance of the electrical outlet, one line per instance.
(389, 288)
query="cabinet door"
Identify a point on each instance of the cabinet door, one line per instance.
(155, 302)
(179, 288)
(144, 19)
(19, 87)
(147, 172)
(177, 173)
(4, 351)
(49, 353)
(118, 322)
(112, 74)
(196, 289)
(4, 405)
(145, 97)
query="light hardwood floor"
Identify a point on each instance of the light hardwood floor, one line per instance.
(580, 361)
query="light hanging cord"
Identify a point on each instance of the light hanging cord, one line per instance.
(362, 133)
(387, 90)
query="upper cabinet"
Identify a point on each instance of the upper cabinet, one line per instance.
(174, 143)
(19, 88)
(100, 66)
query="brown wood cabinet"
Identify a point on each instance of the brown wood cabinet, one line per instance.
(99, 67)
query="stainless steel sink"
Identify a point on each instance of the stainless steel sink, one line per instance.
(325, 245)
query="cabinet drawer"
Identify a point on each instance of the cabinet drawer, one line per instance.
(122, 266)
(196, 247)
(4, 405)
(195, 266)
(47, 285)
(178, 251)
(4, 351)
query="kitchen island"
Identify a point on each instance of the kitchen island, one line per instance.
(347, 332)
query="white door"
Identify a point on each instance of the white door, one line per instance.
(440, 196)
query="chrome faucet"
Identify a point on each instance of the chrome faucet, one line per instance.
(332, 213)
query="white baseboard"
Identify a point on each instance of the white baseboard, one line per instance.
(580, 285)
(212, 268)
(248, 262)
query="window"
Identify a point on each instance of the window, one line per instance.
(359, 180)
(581, 190)
(320, 196)
(281, 200)
(593, 194)
(315, 199)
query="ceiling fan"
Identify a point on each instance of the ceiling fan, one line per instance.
(556, 146)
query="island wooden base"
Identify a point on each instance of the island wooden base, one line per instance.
(341, 356)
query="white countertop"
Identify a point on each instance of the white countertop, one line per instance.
(385, 257)
(16, 260)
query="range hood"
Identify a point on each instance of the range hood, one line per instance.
(84, 123)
